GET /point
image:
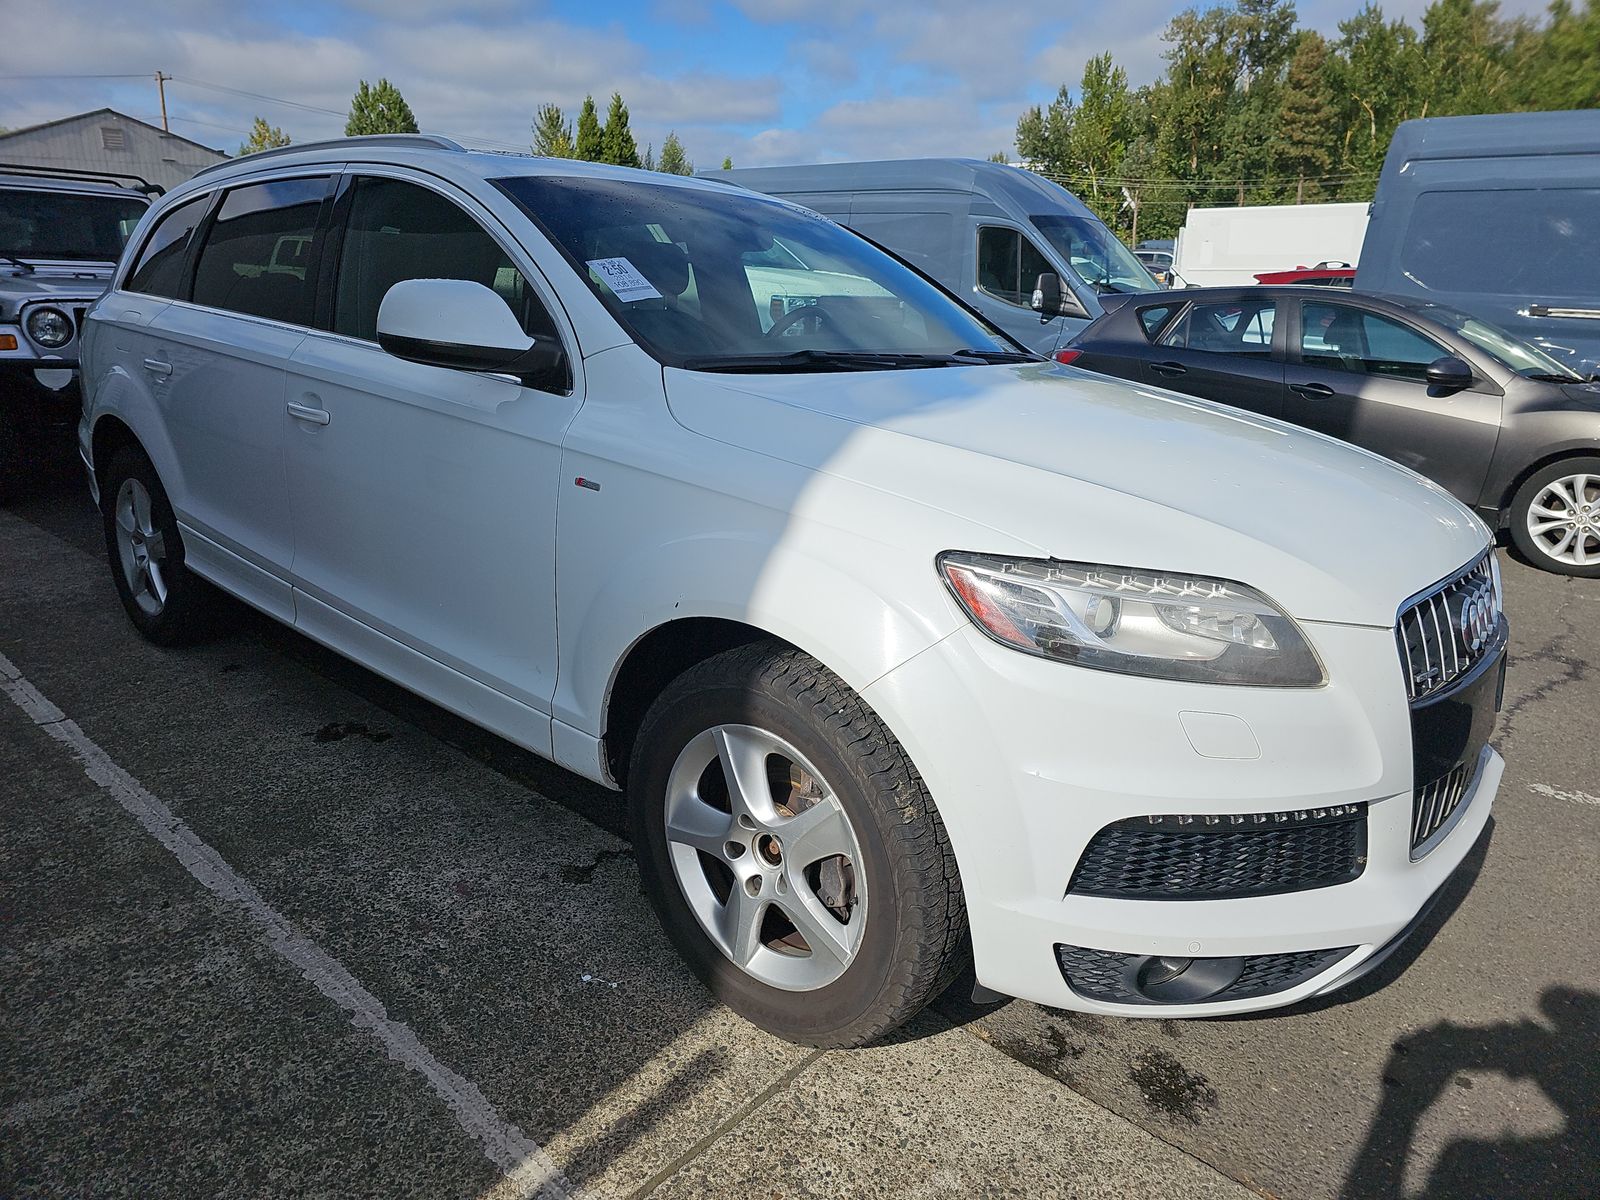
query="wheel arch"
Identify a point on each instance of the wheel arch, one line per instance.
(1549, 458)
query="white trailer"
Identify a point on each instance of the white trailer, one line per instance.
(1230, 246)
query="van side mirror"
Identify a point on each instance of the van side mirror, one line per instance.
(1449, 374)
(1050, 299)
(465, 326)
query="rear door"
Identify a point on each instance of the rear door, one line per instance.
(1228, 349)
(217, 364)
(1362, 376)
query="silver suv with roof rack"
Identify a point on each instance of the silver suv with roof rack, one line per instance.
(61, 232)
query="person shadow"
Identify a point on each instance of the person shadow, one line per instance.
(1561, 1055)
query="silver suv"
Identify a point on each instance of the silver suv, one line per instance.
(61, 232)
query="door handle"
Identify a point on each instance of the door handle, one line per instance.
(1312, 391)
(1169, 368)
(1557, 310)
(304, 412)
(156, 367)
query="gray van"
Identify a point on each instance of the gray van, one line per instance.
(1498, 216)
(985, 230)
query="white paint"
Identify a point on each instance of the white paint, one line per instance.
(529, 1171)
(1544, 789)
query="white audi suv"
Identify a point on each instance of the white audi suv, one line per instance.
(905, 644)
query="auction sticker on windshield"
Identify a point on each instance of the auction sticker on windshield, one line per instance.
(623, 278)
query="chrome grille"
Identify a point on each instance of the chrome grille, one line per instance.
(1433, 806)
(1448, 629)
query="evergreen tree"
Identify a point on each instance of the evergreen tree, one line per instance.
(616, 143)
(263, 137)
(1306, 116)
(379, 108)
(673, 160)
(588, 145)
(649, 163)
(1465, 45)
(727, 163)
(552, 133)
(1558, 66)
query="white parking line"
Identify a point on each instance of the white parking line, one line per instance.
(528, 1170)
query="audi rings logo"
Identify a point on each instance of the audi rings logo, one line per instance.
(1476, 616)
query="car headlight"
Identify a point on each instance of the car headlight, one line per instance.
(49, 327)
(1186, 627)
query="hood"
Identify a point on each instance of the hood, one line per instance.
(1071, 465)
(51, 281)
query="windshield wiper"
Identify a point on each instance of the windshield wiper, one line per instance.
(816, 360)
(1552, 377)
(999, 356)
(25, 267)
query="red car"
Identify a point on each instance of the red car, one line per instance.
(1324, 274)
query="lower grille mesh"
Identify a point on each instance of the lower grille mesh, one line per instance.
(1105, 975)
(1224, 857)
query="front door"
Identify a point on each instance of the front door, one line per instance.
(1225, 350)
(1008, 264)
(423, 499)
(1362, 376)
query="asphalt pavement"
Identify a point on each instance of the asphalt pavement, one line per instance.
(271, 926)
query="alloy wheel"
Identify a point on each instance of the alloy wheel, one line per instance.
(1564, 520)
(766, 857)
(141, 548)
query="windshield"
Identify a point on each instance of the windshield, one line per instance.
(1094, 252)
(729, 280)
(1528, 361)
(66, 225)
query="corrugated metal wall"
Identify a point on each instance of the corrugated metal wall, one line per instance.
(108, 141)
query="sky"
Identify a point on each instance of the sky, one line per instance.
(762, 81)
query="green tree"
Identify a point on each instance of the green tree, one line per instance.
(1307, 117)
(616, 143)
(263, 137)
(379, 108)
(1465, 47)
(552, 133)
(1557, 66)
(1378, 76)
(727, 163)
(673, 160)
(589, 145)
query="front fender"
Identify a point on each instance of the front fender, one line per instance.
(838, 608)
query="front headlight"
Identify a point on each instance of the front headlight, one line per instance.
(49, 327)
(1186, 627)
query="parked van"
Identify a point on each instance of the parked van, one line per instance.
(985, 230)
(1498, 216)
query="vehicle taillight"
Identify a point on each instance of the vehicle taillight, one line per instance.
(1068, 356)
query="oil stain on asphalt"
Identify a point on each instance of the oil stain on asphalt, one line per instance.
(1170, 1087)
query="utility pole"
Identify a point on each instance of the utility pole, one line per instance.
(161, 86)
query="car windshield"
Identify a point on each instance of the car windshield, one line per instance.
(1094, 252)
(66, 225)
(1526, 360)
(724, 279)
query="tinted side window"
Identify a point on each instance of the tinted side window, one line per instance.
(399, 230)
(159, 271)
(257, 256)
(1540, 243)
(1152, 319)
(1348, 339)
(1232, 327)
(1009, 265)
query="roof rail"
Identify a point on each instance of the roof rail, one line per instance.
(119, 178)
(418, 141)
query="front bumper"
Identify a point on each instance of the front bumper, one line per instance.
(1029, 759)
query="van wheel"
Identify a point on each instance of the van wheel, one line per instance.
(792, 851)
(166, 603)
(1555, 517)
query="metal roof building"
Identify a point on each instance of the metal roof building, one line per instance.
(106, 140)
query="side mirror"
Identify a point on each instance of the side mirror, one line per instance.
(1449, 373)
(465, 326)
(1050, 299)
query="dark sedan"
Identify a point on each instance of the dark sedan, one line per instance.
(1506, 428)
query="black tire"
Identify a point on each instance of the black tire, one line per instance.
(1530, 546)
(914, 937)
(189, 608)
